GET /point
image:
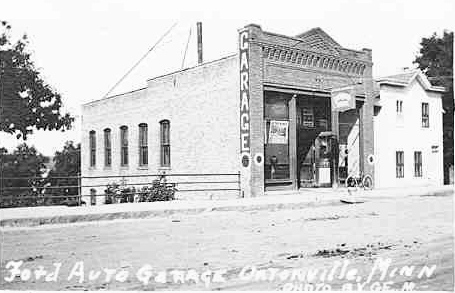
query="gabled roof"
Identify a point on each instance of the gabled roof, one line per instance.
(318, 39)
(406, 78)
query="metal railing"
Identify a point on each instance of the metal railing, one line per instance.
(48, 191)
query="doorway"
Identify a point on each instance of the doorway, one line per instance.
(315, 142)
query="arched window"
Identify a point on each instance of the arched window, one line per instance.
(143, 144)
(124, 146)
(92, 145)
(107, 148)
(165, 143)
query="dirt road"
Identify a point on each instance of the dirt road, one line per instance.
(330, 247)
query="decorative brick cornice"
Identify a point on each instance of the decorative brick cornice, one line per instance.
(313, 59)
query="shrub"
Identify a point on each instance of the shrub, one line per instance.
(119, 194)
(159, 191)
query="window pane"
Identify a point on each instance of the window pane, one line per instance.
(143, 134)
(165, 132)
(107, 147)
(124, 156)
(418, 164)
(92, 143)
(124, 135)
(276, 107)
(166, 156)
(425, 115)
(144, 156)
(108, 157)
(165, 143)
(124, 145)
(276, 144)
(399, 164)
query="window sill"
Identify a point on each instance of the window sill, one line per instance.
(143, 168)
(162, 169)
(124, 167)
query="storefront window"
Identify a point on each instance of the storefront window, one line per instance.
(276, 137)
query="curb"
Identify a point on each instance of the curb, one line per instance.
(67, 219)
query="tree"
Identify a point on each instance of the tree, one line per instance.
(435, 59)
(26, 164)
(26, 100)
(67, 164)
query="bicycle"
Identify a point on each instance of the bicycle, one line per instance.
(362, 181)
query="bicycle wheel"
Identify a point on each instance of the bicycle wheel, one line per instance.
(367, 182)
(351, 182)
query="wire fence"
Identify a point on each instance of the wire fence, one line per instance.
(72, 190)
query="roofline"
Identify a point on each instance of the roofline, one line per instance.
(297, 39)
(387, 81)
(153, 78)
(114, 96)
(196, 66)
(320, 29)
(417, 73)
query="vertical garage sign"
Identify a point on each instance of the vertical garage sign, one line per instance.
(244, 100)
(245, 123)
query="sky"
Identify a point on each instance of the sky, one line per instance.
(84, 47)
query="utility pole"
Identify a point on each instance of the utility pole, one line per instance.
(199, 43)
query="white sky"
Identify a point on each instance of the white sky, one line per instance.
(83, 47)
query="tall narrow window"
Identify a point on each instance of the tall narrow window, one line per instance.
(417, 164)
(92, 143)
(143, 145)
(165, 144)
(425, 115)
(124, 146)
(399, 107)
(400, 120)
(107, 148)
(400, 164)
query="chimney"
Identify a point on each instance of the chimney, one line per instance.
(199, 42)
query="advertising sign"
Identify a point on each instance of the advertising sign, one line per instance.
(343, 99)
(244, 94)
(278, 133)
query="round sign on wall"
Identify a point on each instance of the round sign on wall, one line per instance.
(259, 159)
(245, 160)
(370, 159)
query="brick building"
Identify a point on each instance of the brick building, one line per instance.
(284, 112)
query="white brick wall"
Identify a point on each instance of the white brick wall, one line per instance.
(202, 106)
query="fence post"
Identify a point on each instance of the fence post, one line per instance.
(79, 188)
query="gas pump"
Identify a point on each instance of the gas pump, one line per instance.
(326, 152)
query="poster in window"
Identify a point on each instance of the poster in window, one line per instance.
(278, 132)
(308, 118)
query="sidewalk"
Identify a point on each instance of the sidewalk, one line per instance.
(273, 200)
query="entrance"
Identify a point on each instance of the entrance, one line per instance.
(316, 144)
(299, 146)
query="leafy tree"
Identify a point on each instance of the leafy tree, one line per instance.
(26, 164)
(26, 100)
(436, 61)
(67, 164)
